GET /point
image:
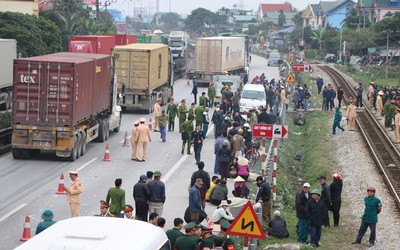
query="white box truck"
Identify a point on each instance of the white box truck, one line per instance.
(177, 43)
(8, 48)
(218, 56)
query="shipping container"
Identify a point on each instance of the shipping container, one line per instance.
(219, 55)
(122, 39)
(141, 70)
(144, 39)
(61, 102)
(92, 44)
(8, 48)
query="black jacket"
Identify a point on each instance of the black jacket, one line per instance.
(201, 174)
(336, 190)
(264, 192)
(141, 192)
(157, 190)
(326, 194)
(197, 136)
(315, 211)
(301, 201)
(277, 227)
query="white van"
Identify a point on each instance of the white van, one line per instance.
(253, 95)
(99, 233)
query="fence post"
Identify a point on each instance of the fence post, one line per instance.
(274, 173)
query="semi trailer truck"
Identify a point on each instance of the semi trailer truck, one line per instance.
(61, 102)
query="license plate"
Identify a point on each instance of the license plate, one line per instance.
(42, 143)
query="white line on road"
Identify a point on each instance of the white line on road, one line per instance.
(210, 129)
(86, 164)
(174, 168)
(13, 212)
(129, 137)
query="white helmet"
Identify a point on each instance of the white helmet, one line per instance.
(246, 125)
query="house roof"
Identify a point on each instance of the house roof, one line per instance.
(275, 15)
(314, 8)
(285, 30)
(244, 18)
(266, 7)
(369, 3)
(326, 6)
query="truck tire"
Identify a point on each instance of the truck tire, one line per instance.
(73, 155)
(124, 108)
(119, 125)
(16, 153)
(79, 145)
(83, 145)
(107, 122)
(102, 136)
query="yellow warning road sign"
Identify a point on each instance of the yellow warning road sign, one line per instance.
(290, 78)
(247, 224)
(290, 59)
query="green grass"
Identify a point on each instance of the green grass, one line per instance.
(375, 73)
(313, 143)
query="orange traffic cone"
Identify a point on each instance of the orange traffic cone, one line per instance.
(107, 154)
(126, 144)
(26, 234)
(150, 124)
(61, 185)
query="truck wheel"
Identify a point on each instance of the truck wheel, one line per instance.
(25, 153)
(72, 157)
(78, 145)
(102, 127)
(83, 144)
(123, 108)
(16, 152)
(119, 125)
(107, 122)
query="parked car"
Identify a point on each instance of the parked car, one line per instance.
(330, 58)
(253, 95)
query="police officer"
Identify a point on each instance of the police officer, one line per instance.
(187, 241)
(198, 138)
(229, 244)
(186, 129)
(182, 110)
(207, 238)
(134, 139)
(174, 233)
(104, 210)
(211, 94)
(203, 100)
(117, 197)
(73, 193)
(172, 111)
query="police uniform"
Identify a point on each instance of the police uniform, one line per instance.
(104, 204)
(211, 94)
(173, 234)
(73, 194)
(351, 114)
(182, 110)
(191, 113)
(186, 129)
(157, 113)
(143, 140)
(134, 139)
(229, 244)
(203, 100)
(208, 238)
(172, 111)
(199, 115)
(117, 197)
(187, 241)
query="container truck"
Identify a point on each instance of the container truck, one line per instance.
(144, 73)
(123, 39)
(8, 48)
(177, 42)
(61, 102)
(92, 44)
(218, 56)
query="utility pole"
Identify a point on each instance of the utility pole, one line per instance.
(157, 13)
(97, 10)
(387, 55)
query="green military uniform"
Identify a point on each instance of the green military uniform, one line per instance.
(199, 115)
(253, 119)
(373, 207)
(172, 111)
(191, 113)
(203, 101)
(186, 242)
(182, 115)
(208, 242)
(211, 94)
(229, 244)
(173, 234)
(162, 120)
(390, 114)
(187, 130)
(224, 91)
(117, 196)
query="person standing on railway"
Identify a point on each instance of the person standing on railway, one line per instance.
(194, 91)
(373, 207)
(117, 197)
(397, 126)
(307, 96)
(337, 120)
(359, 92)
(182, 110)
(336, 197)
(157, 113)
(379, 105)
(141, 195)
(211, 94)
(320, 83)
(331, 97)
(143, 140)
(134, 139)
(340, 94)
(371, 93)
(73, 193)
(172, 111)
(351, 116)
(324, 98)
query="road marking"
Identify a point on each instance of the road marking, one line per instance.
(210, 129)
(86, 164)
(13, 212)
(174, 168)
(129, 137)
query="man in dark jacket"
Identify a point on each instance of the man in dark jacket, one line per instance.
(270, 98)
(315, 212)
(326, 197)
(303, 224)
(205, 177)
(141, 194)
(320, 83)
(217, 119)
(336, 197)
(277, 226)
(197, 140)
(195, 203)
(157, 194)
(331, 95)
(263, 116)
(264, 193)
(194, 92)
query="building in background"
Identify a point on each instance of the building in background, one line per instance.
(30, 7)
(265, 8)
(376, 10)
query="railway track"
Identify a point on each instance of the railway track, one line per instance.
(384, 152)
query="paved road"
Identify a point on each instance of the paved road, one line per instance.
(29, 186)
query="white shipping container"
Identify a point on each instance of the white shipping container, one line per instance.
(215, 55)
(8, 48)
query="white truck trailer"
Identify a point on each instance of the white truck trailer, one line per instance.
(8, 48)
(177, 43)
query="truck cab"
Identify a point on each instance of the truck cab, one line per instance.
(177, 43)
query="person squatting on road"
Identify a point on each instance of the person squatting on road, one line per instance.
(373, 207)
(73, 193)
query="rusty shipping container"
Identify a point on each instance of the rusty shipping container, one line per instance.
(92, 44)
(60, 89)
(123, 39)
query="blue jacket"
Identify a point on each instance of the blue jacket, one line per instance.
(373, 207)
(194, 199)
